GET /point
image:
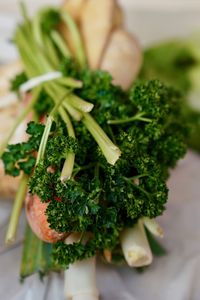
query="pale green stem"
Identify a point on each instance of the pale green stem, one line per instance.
(67, 19)
(110, 151)
(44, 139)
(37, 30)
(47, 130)
(79, 103)
(54, 92)
(70, 82)
(60, 43)
(74, 113)
(71, 99)
(68, 167)
(69, 162)
(137, 117)
(51, 51)
(14, 218)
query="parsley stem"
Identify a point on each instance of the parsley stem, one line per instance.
(70, 82)
(78, 169)
(44, 139)
(137, 117)
(68, 166)
(137, 177)
(67, 19)
(79, 103)
(153, 226)
(14, 218)
(67, 121)
(37, 32)
(60, 43)
(71, 99)
(51, 51)
(74, 113)
(20, 119)
(138, 187)
(43, 41)
(47, 130)
(53, 91)
(110, 150)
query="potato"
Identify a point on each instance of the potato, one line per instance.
(96, 25)
(122, 58)
(74, 8)
(37, 219)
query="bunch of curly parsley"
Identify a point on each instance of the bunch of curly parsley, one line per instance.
(146, 124)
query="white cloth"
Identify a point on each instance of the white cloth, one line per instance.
(175, 276)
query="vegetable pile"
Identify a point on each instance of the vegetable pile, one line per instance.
(97, 156)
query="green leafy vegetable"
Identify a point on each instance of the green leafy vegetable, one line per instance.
(101, 198)
(177, 63)
(103, 156)
(21, 157)
(18, 81)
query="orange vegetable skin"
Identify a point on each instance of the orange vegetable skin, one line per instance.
(37, 219)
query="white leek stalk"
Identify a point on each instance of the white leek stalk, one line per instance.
(153, 227)
(80, 277)
(135, 246)
(35, 81)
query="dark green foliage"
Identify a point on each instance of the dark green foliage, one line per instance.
(67, 254)
(21, 157)
(16, 82)
(98, 89)
(100, 198)
(69, 67)
(44, 104)
(156, 248)
(177, 63)
(50, 19)
(170, 62)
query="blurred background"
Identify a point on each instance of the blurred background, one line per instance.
(150, 20)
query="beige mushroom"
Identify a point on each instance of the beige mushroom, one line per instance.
(122, 58)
